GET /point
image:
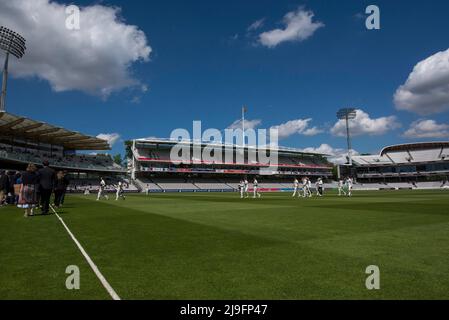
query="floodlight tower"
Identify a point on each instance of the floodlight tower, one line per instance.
(347, 114)
(12, 43)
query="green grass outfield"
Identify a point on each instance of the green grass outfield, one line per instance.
(217, 246)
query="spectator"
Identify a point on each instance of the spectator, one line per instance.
(46, 185)
(11, 192)
(28, 190)
(60, 187)
(66, 186)
(18, 181)
(4, 186)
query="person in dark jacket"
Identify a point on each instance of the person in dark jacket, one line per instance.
(66, 184)
(28, 187)
(47, 178)
(60, 187)
(4, 186)
(11, 192)
(18, 181)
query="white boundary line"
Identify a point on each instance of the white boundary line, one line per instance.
(95, 269)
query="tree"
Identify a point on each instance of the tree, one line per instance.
(335, 172)
(118, 159)
(129, 149)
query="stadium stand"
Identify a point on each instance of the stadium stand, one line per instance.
(404, 185)
(212, 184)
(430, 185)
(147, 184)
(153, 169)
(424, 165)
(58, 160)
(371, 186)
(174, 184)
(24, 141)
(80, 185)
(158, 151)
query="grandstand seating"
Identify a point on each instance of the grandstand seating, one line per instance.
(430, 185)
(179, 185)
(370, 186)
(57, 159)
(80, 185)
(147, 184)
(233, 185)
(212, 184)
(174, 184)
(272, 186)
(404, 156)
(164, 156)
(331, 185)
(395, 164)
(412, 162)
(404, 185)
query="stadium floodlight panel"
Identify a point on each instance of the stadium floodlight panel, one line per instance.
(349, 113)
(12, 42)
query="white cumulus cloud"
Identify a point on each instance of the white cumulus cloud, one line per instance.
(312, 131)
(363, 124)
(111, 138)
(337, 155)
(285, 130)
(256, 25)
(299, 26)
(299, 126)
(427, 129)
(96, 59)
(249, 124)
(426, 90)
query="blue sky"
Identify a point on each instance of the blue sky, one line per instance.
(205, 64)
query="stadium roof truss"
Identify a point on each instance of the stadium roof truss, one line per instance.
(39, 132)
(415, 146)
(385, 157)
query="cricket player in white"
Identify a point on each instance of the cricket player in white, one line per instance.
(255, 187)
(241, 188)
(304, 187)
(309, 188)
(349, 184)
(319, 187)
(101, 191)
(246, 187)
(120, 193)
(296, 188)
(341, 188)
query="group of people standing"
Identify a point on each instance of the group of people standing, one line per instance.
(37, 187)
(307, 188)
(8, 181)
(244, 189)
(301, 189)
(345, 187)
(119, 193)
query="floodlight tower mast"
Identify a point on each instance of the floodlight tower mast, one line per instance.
(347, 114)
(244, 111)
(12, 43)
